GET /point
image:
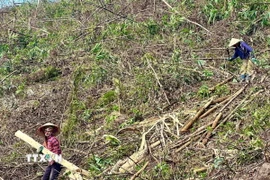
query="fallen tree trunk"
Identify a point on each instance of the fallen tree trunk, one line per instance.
(73, 168)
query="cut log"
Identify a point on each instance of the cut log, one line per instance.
(214, 108)
(138, 173)
(219, 100)
(73, 168)
(233, 97)
(214, 125)
(220, 84)
(127, 165)
(196, 117)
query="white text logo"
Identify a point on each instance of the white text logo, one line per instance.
(43, 157)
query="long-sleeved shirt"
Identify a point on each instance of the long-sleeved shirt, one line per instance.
(53, 145)
(243, 51)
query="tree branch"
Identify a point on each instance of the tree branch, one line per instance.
(197, 24)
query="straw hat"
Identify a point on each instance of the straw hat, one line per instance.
(234, 41)
(40, 130)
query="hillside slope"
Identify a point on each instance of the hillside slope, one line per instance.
(136, 71)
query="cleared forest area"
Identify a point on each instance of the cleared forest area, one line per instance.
(140, 89)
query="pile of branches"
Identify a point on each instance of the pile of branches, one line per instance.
(168, 132)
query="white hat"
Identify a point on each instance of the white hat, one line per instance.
(40, 130)
(234, 41)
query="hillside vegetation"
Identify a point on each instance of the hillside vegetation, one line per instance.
(141, 89)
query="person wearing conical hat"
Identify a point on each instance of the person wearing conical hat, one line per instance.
(244, 52)
(49, 131)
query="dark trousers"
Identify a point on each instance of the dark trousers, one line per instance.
(52, 171)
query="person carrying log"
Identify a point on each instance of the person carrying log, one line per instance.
(245, 52)
(49, 131)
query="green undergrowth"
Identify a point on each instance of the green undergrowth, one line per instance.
(248, 140)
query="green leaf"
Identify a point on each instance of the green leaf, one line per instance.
(218, 161)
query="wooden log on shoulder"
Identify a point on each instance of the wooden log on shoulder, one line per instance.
(70, 166)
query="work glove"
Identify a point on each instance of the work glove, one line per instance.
(40, 149)
(254, 60)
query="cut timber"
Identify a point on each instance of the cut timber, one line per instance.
(192, 120)
(236, 108)
(138, 173)
(133, 161)
(73, 168)
(220, 84)
(187, 144)
(199, 131)
(219, 100)
(127, 165)
(233, 97)
(214, 125)
(214, 108)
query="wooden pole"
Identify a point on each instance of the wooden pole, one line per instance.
(73, 168)
(196, 117)
(214, 125)
(214, 108)
(220, 84)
